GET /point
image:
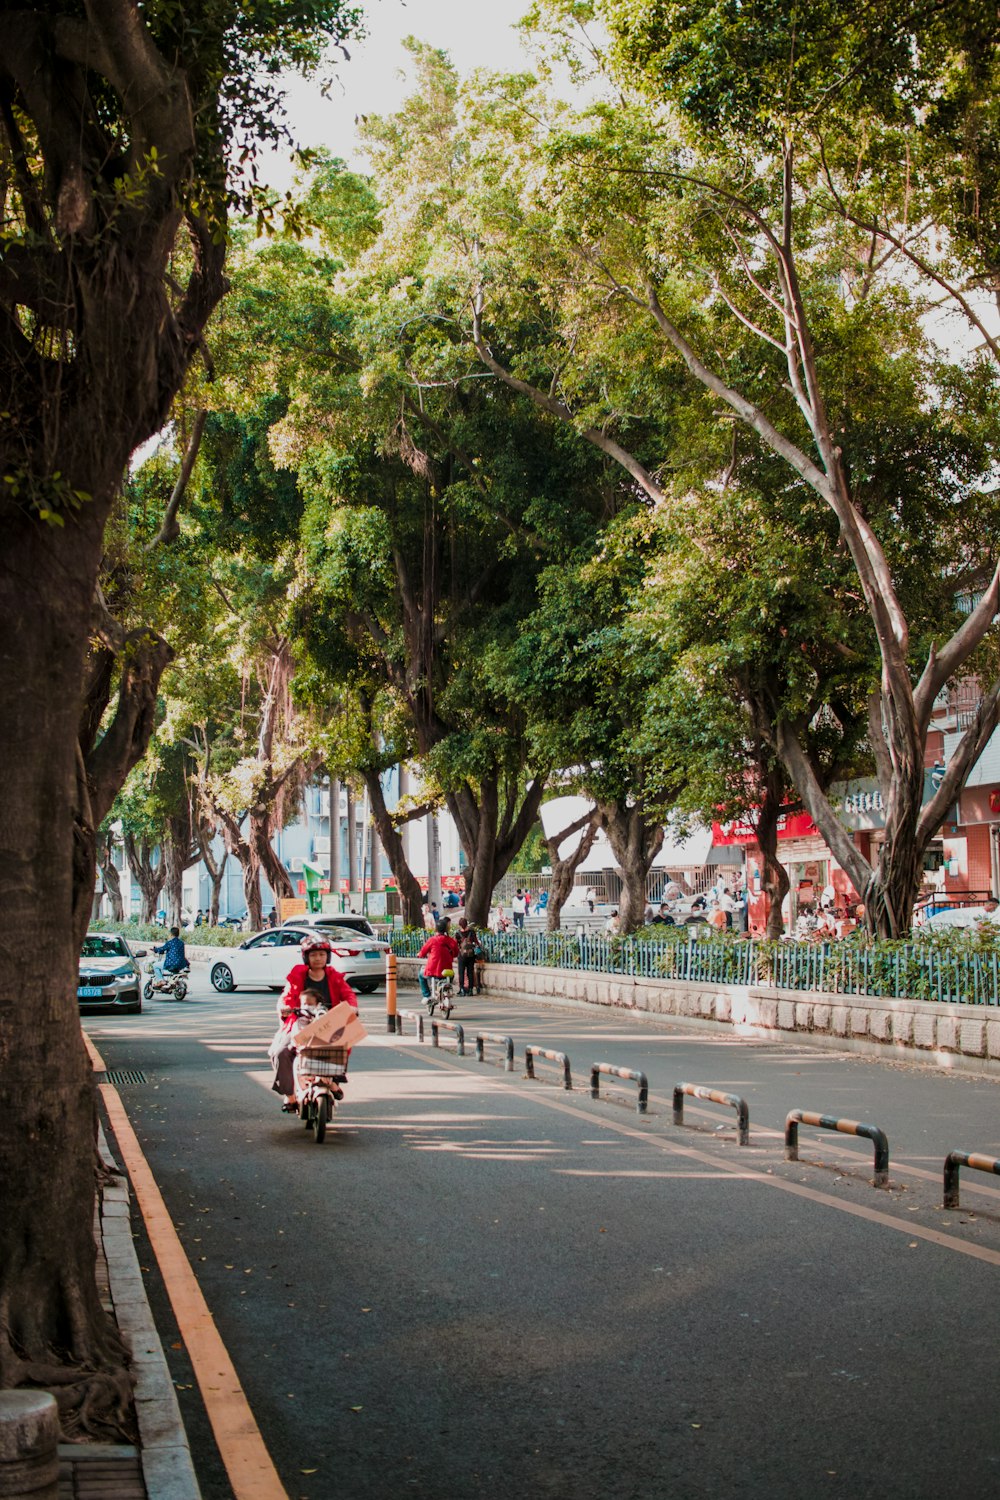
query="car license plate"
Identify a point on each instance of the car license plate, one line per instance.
(372, 953)
(88, 991)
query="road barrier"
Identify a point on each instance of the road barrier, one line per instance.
(507, 1042)
(597, 1069)
(799, 1117)
(456, 1027)
(715, 1096)
(530, 1053)
(956, 1159)
(391, 981)
(410, 1015)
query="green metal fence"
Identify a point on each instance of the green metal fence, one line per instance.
(913, 971)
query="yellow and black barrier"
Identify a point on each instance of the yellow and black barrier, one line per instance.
(596, 1069)
(562, 1058)
(714, 1096)
(956, 1159)
(872, 1133)
(507, 1042)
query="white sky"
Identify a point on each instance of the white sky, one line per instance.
(475, 33)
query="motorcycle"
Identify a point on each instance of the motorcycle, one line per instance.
(320, 1072)
(172, 984)
(442, 993)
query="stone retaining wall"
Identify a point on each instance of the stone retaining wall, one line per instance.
(922, 1031)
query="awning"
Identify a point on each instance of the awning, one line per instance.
(725, 854)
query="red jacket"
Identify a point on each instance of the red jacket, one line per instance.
(337, 984)
(441, 952)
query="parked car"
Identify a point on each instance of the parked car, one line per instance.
(956, 916)
(109, 975)
(263, 962)
(314, 922)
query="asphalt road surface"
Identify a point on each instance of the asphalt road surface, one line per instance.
(480, 1285)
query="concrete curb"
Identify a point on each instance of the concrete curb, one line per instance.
(164, 1452)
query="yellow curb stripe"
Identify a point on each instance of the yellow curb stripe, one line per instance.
(251, 1471)
(96, 1060)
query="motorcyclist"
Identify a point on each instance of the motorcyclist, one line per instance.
(440, 951)
(312, 985)
(174, 960)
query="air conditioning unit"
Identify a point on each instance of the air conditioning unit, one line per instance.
(295, 865)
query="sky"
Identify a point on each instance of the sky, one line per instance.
(474, 33)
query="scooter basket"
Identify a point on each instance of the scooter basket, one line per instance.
(322, 1062)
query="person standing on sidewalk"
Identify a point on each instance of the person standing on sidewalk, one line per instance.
(518, 907)
(468, 942)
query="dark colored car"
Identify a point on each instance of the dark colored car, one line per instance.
(109, 974)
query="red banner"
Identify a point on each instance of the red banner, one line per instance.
(796, 825)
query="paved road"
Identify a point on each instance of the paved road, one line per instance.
(481, 1285)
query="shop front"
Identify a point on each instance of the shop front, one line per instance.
(801, 850)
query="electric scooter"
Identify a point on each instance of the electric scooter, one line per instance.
(172, 983)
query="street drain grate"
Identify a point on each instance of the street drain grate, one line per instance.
(122, 1075)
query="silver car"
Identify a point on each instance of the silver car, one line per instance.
(109, 976)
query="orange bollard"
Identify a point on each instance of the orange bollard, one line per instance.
(391, 1019)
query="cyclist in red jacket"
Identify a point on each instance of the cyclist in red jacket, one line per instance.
(440, 951)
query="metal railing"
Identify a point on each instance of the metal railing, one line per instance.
(913, 971)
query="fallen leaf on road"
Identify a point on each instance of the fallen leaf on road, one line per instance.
(177, 1346)
(357, 1408)
(308, 1471)
(912, 1245)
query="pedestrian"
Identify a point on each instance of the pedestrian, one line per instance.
(272, 920)
(717, 917)
(527, 905)
(613, 925)
(517, 908)
(198, 919)
(590, 898)
(468, 942)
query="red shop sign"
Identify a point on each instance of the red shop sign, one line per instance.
(797, 825)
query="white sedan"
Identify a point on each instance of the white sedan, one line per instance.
(958, 916)
(265, 961)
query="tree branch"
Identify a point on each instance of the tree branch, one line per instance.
(170, 528)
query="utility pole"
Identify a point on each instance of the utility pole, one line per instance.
(335, 841)
(433, 862)
(352, 844)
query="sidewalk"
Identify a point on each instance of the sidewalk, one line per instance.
(160, 1468)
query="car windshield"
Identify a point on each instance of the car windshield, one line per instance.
(103, 947)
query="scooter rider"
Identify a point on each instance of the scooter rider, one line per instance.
(312, 983)
(440, 951)
(174, 959)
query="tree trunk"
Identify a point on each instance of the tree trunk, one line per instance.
(53, 1330)
(492, 828)
(635, 844)
(259, 839)
(149, 877)
(112, 879)
(249, 864)
(216, 870)
(410, 893)
(775, 875)
(564, 870)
